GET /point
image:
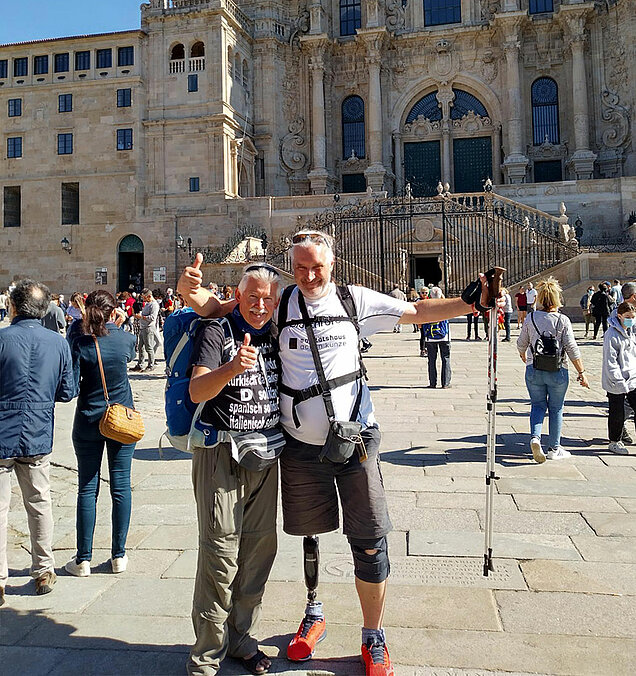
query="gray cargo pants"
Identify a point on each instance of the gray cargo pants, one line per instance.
(147, 341)
(236, 510)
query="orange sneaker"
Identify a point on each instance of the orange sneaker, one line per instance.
(310, 632)
(376, 659)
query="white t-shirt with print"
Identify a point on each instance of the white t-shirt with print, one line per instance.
(531, 296)
(338, 349)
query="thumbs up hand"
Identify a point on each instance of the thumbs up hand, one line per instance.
(191, 278)
(246, 357)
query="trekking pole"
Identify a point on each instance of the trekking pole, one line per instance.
(494, 283)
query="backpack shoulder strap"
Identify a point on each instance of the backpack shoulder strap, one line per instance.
(228, 338)
(348, 304)
(283, 307)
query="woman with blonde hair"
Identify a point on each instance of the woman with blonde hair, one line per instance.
(545, 341)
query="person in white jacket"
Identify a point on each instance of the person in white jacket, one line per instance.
(618, 378)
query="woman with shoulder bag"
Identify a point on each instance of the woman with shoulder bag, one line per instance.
(545, 340)
(102, 341)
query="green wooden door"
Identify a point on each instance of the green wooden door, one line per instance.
(472, 161)
(422, 168)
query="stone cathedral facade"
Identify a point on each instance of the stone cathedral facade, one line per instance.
(218, 115)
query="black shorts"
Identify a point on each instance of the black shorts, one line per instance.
(310, 501)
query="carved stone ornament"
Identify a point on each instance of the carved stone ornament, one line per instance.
(489, 8)
(423, 229)
(489, 67)
(421, 126)
(395, 19)
(300, 26)
(472, 122)
(445, 60)
(292, 158)
(617, 116)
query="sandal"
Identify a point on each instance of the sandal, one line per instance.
(252, 662)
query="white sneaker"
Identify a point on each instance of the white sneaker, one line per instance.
(558, 453)
(81, 569)
(617, 447)
(119, 564)
(537, 451)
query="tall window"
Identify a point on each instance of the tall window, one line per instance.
(65, 103)
(14, 147)
(104, 58)
(61, 63)
(126, 56)
(438, 12)
(194, 184)
(193, 83)
(65, 144)
(350, 16)
(70, 203)
(124, 139)
(352, 126)
(3, 68)
(12, 206)
(124, 98)
(82, 60)
(540, 6)
(41, 65)
(21, 67)
(15, 107)
(545, 111)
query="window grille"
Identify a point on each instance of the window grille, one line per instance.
(545, 111)
(353, 127)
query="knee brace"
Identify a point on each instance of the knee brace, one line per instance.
(311, 559)
(373, 568)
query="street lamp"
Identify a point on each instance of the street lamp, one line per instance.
(180, 242)
(66, 245)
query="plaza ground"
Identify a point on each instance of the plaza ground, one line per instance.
(560, 601)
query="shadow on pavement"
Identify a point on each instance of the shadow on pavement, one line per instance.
(168, 453)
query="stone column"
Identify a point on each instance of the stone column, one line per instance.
(581, 163)
(318, 175)
(397, 155)
(376, 171)
(496, 154)
(446, 152)
(516, 162)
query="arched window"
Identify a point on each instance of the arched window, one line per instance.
(352, 126)
(545, 111)
(177, 52)
(230, 63)
(350, 16)
(464, 102)
(198, 49)
(540, 6)
(437, 12)
(246, 74)
(428, 107)
(237, 68)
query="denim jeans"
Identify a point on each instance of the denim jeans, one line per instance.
(89, 449)
(547, 393)
(507, 318)
(444, 350)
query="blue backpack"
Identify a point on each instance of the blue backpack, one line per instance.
(182, 414)
(436, 330)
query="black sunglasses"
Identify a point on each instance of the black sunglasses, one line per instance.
(260, 266)
(314, 236)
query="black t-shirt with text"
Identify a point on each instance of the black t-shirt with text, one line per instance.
(250, 400)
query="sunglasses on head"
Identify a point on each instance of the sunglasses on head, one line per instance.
(260, 266)
(313, 236)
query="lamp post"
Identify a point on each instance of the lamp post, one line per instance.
(66, 245)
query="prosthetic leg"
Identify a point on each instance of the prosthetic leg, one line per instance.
(312, 629)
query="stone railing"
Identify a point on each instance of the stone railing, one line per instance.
(196, 63)
(177, 66)
(228, 5)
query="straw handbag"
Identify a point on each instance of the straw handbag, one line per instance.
(119, 422)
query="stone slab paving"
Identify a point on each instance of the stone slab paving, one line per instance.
(560, 601)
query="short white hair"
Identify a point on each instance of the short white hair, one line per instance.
(435, 292)
(315, 238)
(263, 272)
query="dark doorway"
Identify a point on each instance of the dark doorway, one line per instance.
(131, 264)
(422, 167)
(426, 268)
(472, 159)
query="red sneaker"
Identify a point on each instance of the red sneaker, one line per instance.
(310, 632)
(376, 659)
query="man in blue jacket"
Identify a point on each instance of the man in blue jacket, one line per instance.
(35, 372)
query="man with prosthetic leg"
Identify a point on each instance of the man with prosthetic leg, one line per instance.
(331, 458)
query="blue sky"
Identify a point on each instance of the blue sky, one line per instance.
(24, 20)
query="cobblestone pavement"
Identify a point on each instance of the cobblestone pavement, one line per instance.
(561, 599)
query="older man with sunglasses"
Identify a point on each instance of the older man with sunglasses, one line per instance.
(319, 327)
